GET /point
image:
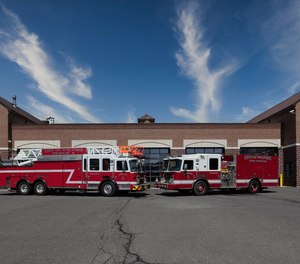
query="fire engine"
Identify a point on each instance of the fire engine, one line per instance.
(102, 169)
(203, 172)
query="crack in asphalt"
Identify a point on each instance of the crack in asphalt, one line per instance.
(101, 249)
(130, 257)
(124, 242)
(106, 255)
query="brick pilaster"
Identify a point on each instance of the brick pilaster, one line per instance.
(177, 152)
(281, 159)
(232, 152)
(297, 166)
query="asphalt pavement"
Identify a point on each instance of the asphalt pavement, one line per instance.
(151, 227)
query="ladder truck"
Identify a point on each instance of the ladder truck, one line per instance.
(102, 169)
(203, 172)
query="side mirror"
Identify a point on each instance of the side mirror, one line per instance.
(123, 166)
(185, 167)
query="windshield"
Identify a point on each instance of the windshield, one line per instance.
(165, 164)
(174, 165)
(135, 165)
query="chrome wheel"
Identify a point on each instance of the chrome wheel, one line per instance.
(108, 189)
(24, 188)
(200, 188)
(40, 188)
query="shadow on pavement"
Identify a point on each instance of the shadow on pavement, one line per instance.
(83, 194)
(214, 192)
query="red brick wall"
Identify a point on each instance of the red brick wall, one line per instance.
(297, 109)
(177, 152)
(3, 131)
(281, 161)
(289, 166)
(288, 126)
(232, 152)
(124, 132)
(290, 136)
(297, 183)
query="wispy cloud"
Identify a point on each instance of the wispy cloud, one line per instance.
(43, 111)
(25, 49)
(193, 59)
(294, 87)
(282, 35)
(247, 114)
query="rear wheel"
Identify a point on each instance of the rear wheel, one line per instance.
(40, 188)
(254, 186)
(24, 188)
(108, 189)
(200, 188)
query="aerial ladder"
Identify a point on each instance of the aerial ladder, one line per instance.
(27, 156)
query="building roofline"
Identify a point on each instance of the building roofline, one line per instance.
(151, 125)
(284, 105)
(18, 111)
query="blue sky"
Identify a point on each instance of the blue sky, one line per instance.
(113, 61)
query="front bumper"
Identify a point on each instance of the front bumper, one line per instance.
(139, 187)
(166, 186)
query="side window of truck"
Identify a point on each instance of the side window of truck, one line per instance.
(120, 165)
(188, 165)
(213, 164)
(94, 164)
(106, 164)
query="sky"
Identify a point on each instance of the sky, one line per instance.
(112, 61)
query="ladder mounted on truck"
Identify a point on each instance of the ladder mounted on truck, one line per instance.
(104, 151)
(27, 156)
(24, 157)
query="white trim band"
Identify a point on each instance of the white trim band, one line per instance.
(193, 181)
(207, 143)
(93, 143)
(264, 142)
(291, 146)
(151, 143)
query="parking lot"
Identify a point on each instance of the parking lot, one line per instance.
(152, 227)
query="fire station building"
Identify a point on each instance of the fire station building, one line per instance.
(274, 132)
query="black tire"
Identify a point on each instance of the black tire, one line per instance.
(254, 186)
(40, 188)
(24, 188)
(200, 188)
(108, 189)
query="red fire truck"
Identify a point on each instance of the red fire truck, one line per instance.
(102, 169)
(203, 172)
